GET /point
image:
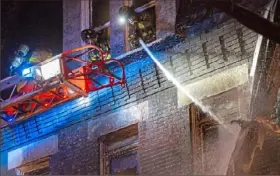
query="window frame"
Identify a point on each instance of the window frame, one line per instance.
(41, 163)
(106, 154)
(199, 123)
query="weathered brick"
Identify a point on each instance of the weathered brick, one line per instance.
(164, 137)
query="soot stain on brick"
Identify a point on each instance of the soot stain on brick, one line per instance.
(142, 81)
(188, 57)
(37, 125)
(241, 41)
(127, 89)
(206, 56)
(223, 48)
(157, 75)
(113, 95)
(25, 130)
(171, 64)
(98, 100)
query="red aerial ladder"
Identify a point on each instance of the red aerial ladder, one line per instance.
(59, 79)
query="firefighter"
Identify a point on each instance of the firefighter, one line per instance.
(19, 59)
(37, 56)
(90, 37)
(23, 59)
(40, 55)
(140, 26)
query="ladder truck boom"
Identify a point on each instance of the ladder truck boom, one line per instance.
(59, 79)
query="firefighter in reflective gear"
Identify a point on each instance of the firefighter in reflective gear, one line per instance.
(22, 61)
(19, 59)
(19, 62)
(22, 58)
(90, 37)
(38, 55)
(140, 26)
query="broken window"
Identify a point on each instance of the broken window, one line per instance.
(37, 167)
(118, 152)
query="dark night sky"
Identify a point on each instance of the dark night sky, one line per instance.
(35, 23)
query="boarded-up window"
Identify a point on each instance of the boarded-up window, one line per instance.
(118, 152)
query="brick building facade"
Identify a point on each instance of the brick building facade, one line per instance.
(150, 125)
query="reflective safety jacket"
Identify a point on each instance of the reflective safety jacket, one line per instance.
(40, 56)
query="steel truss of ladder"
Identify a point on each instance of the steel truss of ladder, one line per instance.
(66, 76)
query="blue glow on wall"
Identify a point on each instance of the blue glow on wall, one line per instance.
(75, 110)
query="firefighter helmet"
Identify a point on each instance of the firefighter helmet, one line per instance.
(88, 34)
(126, 11)
(19, 56)
(22, 50)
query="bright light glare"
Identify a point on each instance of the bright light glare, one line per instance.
(26, 71)
(70, 91)
(50, 69)
(10, 119)
(121, 20)
(83, 101)
(38, 72)
(177, 84)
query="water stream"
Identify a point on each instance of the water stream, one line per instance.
(171, 78)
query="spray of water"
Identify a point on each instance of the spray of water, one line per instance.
(171, 78)
(226, 143)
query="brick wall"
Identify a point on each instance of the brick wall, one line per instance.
(117, 35)
(266, 160)
(165, 17)
(164, 139)
(75, 19)
(226, 106)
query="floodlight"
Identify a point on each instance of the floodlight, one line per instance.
(50, 69)
(122, 20)
(26, 71)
